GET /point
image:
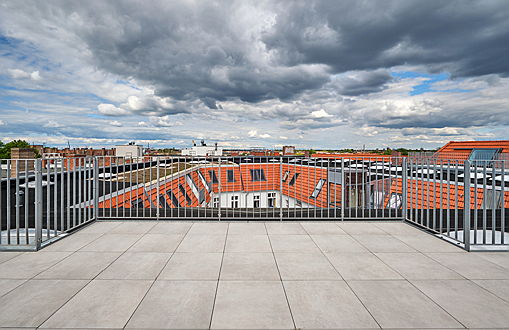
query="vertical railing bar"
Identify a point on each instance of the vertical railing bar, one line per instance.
(48, 199)
(66, 163)
(457, 201)
(130, 186)
(1, 199)
(428, 200)
(466, 212)
(449, 192)
(8, 202)
(342, 189)
(96, 188)
(62, 199)
(74, 192)
(280, 188)
(38, 203)
(55, 201)
(476, 224)
(484, 211)
(17, 201)
(404, 188)
(493, 204)
(502, 211)
(26, 202)
(441, 210)
(435, 191)
(218, 189)
(158, 204)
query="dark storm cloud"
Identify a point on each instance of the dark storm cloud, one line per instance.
(467, 38)
(216, 51)
(359, 83)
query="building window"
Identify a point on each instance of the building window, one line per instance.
(286, 175)
(294, 178)
(318, 188)
(215, 202)
(256, 201)
(213, 176)
(483, 154)
(184, 192)
(235, 201)
(173, 198)
(137, 204)
(257, 175)
(231, 176)
(271, 199)
(395, 201)
(162, 201)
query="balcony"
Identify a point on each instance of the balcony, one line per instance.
(253, 275)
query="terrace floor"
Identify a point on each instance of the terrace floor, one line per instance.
(309, 275)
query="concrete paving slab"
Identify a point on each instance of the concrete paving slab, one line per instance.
(202, 243)
(8, 285)
(136, 266)
(418, 266)
(112, 243)
(326, 305)
(80, 266)
(176, 305)
(305, 266)
(29, 264)
(100, 227)
(338, 243)
(8, 255)
(471, 265)
(33, 302)
(209, 228)
(192, 266)
(376, 243)
(322, 228)
(499, 258)
(293, 243)
(251, 305)
(362, 266)
(428, 243)
(361, 228)
(247, 243)
(247, 228)
(157, 243)
(399, 228)
(249, 266)
(285, 228)
(398, 304)
(133, 227)
(470, 304)
(171, 228)
(500, 288)
(72, 242)
(101, 304)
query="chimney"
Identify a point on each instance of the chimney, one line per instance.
(17, 156)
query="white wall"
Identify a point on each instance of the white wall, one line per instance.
(246, 199)
(129, 151)
(203, 151)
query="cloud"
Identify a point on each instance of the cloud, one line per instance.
(255, 134)
(20, 74)
(111, 110)
(165, 121)
(115, 123)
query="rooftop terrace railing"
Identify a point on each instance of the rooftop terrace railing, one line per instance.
(43, 200)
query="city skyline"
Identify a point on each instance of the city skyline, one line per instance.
(312, 74)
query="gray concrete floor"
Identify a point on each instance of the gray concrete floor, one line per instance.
(307, 275)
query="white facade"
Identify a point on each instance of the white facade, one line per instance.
(203, 151)
(255, 199)
(130, 150)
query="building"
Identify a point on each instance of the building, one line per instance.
(203, 150)
(129, 150)
(288, 150)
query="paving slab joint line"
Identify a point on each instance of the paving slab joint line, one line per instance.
(74, 295)
(281, 279)
(219, 277)
(152, 284)
(347, 284)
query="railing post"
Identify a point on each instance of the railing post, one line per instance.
(280, 188)
(405, 189)
(219, 190)
(38, 203)
(466, 206)
(343, 189)
(158, 204)
(96, 187)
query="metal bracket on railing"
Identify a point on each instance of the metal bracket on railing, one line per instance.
(466, 206)
(38, 203)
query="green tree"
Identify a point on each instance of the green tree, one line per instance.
(5, 149)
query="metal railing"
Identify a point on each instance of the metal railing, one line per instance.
(42, 200)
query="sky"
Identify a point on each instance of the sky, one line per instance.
(314, 74)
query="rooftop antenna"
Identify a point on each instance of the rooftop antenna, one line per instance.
(68, 144)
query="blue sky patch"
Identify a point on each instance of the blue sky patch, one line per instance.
(427, 85)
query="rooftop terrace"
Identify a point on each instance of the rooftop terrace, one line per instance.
(253, 275)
